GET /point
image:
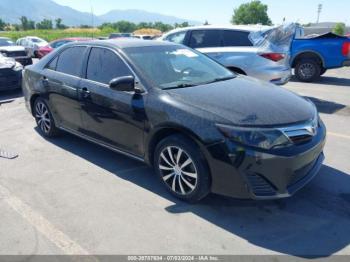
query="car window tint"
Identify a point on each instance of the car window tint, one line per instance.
(177, 38)
(70, 61)
(205, 38)
(236, 38)
(104, 65)
(52, 65)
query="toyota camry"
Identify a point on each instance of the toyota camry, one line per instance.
(203, 128)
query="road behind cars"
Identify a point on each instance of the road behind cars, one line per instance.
(67, 195)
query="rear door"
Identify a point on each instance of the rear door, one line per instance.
(112, 117)
(62, 77)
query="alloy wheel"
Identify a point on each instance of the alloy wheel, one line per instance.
(178, 170)
(307, 70)
(43, 117)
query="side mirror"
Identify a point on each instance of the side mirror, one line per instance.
(123, 83)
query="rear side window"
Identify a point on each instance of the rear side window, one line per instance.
(104, 65)
(236, 38)
(205, 38)
(177, 38)
(70, 61)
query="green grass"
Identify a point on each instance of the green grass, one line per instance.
(50, 35)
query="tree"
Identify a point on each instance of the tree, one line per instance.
(2, 25)
(59, 24)
(125, 26)
(45, 24)
(253, 12)
(339, 29)
(184, 24)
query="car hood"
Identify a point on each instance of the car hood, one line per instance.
(245, 101)
(12, 48)
(6, 62)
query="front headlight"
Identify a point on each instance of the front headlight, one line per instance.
(17, 67)
(264, 138)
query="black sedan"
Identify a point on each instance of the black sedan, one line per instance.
(202, 128)
(10, 74)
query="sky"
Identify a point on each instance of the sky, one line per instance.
(220, 11)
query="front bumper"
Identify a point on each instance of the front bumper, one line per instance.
(346, 63)
(249, 174)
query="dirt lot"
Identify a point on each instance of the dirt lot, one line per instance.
(67, 196)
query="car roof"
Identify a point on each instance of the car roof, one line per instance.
(73, 39)
(246, 28)
(122, 43)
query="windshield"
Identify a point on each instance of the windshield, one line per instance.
(37, 40)
(6, 42)
(174, 67)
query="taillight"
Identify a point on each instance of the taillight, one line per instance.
(346, 49)
(273, 56)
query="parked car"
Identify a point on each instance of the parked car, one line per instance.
(311, 57)
(44, 50)
(10, 73)
(119, 35)
(232, 47)
(144, 37)
(9, 49)
(31, 44)
(203, 128)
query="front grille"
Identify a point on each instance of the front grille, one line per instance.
(7, 72)
(260, 186)
(300, 134)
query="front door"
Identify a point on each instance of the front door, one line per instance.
(112, 117)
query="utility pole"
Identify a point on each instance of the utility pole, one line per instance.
(92, 19)
(319, 10)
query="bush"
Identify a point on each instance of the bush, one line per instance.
(50, 35)
(339, 29)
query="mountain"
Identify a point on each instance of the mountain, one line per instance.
(138, 16)
(37, 10)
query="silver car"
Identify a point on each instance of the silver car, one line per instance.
(31, 44)
(250, 50)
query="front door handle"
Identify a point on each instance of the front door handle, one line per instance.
(85, 93)
(45, 81)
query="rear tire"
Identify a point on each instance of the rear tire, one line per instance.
(44, 119)
(323, 71)
(182, 168)
(308, 70)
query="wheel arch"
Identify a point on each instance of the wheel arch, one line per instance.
(32, 101)
(309, 54)
(164, 132)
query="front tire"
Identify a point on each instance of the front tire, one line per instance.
(308, 70)
(44, 119)
(182, 168)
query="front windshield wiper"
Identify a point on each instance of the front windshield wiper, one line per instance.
(219, 79)
(179, 86)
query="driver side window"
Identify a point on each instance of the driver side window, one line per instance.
(104, 65)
